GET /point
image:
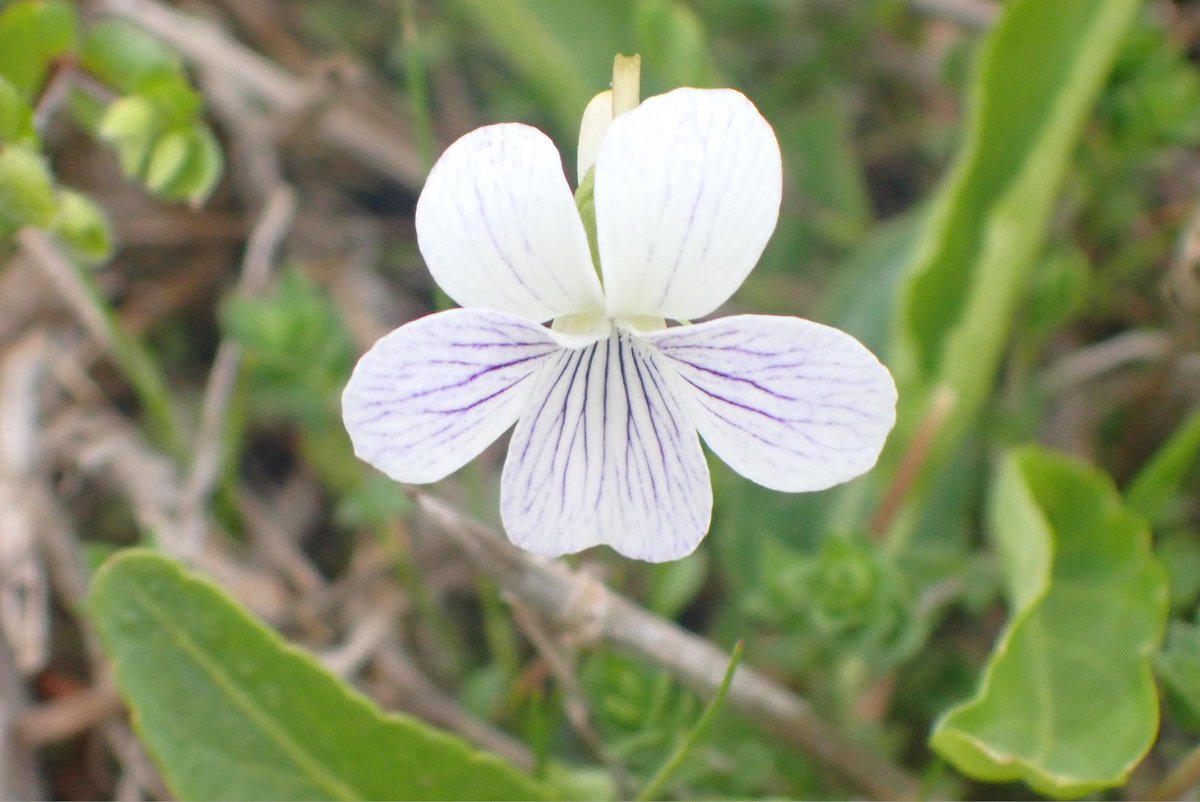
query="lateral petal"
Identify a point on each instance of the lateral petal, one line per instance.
(497, 225)
(687, 194)
(431, 395)
(790, 404)
(606, 453)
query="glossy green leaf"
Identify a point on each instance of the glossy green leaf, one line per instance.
(26, 188)
(1036, 82)
(1067, 703)
(32, 34)
(229, 711)
(1160, 480)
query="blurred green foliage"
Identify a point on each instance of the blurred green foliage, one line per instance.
(298, 354)
(155, 122)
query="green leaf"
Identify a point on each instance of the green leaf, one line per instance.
(125, 57)
(135, 63)
(83, 227)
(32, 35)
(1037, 79)
(169, 159)
(16, 118)
(200, 172)
(26, 188)
(1159, 481)
(1067, 703)
(229, 711)
(182, 164)
(132, 126)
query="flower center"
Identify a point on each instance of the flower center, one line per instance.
(587, 327)
(640, 324)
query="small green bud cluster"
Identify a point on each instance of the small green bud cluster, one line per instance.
(155, 124)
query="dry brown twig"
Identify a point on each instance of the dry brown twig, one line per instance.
(18, 764)
(550, 587)
(24, 595)
(368, 633)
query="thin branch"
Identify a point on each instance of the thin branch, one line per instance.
(366, 637)
(554, 590)
(426, 701)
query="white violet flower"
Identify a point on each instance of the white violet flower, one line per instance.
(610, 403)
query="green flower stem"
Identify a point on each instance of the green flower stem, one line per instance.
(654, 788)
(586, 203)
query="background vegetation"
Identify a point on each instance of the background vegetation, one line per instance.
(206, 214)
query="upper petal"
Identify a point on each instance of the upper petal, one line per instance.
(788, 403)
(432, 394)
(606, 453)
(497, 225)
(687, 194)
